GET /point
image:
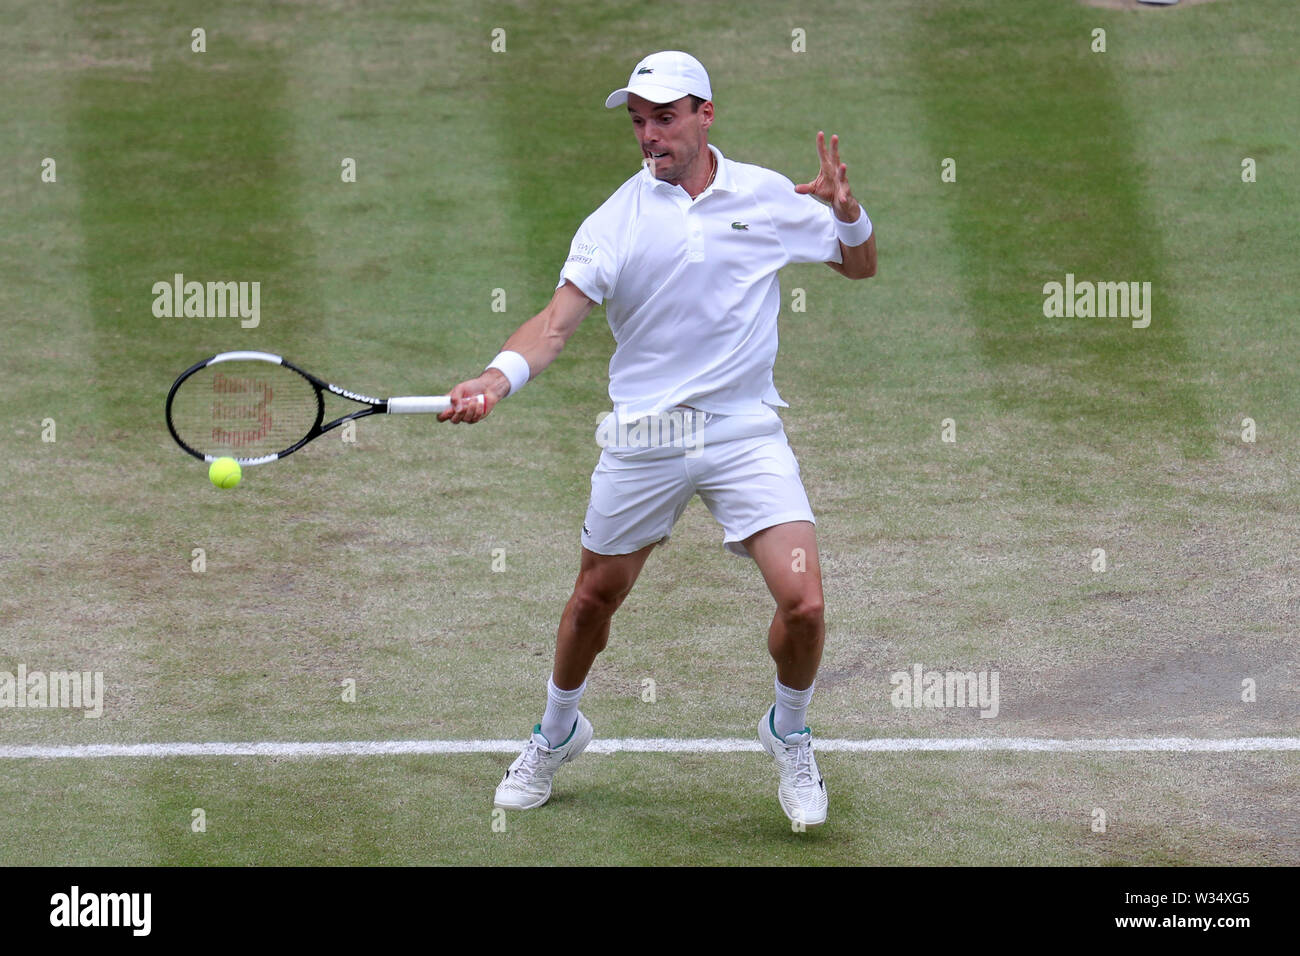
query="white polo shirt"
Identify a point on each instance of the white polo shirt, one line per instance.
(690, 287)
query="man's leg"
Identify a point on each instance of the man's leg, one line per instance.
(787, 556)
(633, 501)
(603, 582)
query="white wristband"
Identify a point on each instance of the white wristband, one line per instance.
(853, 233)
(514, 367)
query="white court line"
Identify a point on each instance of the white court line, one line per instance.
(374, 748)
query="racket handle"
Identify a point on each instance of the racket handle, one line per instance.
(416, 404)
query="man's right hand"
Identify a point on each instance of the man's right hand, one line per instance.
(471, 401)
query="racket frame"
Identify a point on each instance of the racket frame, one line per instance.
(406, 404)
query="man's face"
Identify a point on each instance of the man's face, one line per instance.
(671, 134)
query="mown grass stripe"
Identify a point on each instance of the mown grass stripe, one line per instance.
(1049, 183)
(185, 168)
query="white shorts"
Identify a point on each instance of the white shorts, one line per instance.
(741, 466)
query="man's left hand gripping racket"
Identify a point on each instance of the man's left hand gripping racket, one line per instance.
(256, 407)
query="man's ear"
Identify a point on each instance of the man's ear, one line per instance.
(706, 114)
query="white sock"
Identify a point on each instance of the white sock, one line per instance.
(561, 712)
(791, 709)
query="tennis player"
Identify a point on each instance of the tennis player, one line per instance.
(685, 256)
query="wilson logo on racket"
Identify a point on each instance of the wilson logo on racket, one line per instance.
(239, 401)
(354, 396)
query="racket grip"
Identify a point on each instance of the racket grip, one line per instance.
(416, 404)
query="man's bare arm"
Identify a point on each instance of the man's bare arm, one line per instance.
(859, 261)
(832, 186)
(539, 341)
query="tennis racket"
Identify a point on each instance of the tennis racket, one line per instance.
(256, 407)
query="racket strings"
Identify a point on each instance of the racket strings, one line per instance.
(244, 409)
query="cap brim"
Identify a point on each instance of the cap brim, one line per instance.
(655, 94)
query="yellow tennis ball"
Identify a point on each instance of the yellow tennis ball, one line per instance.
(225, 472)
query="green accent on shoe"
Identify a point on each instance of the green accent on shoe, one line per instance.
(572, 731)
(537, 729)
(771, 722)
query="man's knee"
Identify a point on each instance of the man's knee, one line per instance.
(803, 612)
(597, 596)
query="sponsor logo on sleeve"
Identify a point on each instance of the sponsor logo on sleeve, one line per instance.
(582, 252)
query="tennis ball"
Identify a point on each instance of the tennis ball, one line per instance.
(225, 472)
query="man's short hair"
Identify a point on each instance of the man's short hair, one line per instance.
(696, 102)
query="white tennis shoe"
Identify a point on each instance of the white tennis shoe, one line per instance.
(802, 792)
(527, 784)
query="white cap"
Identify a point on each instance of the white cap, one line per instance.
(663, 78)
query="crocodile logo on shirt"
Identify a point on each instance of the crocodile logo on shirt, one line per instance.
(740, 225)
